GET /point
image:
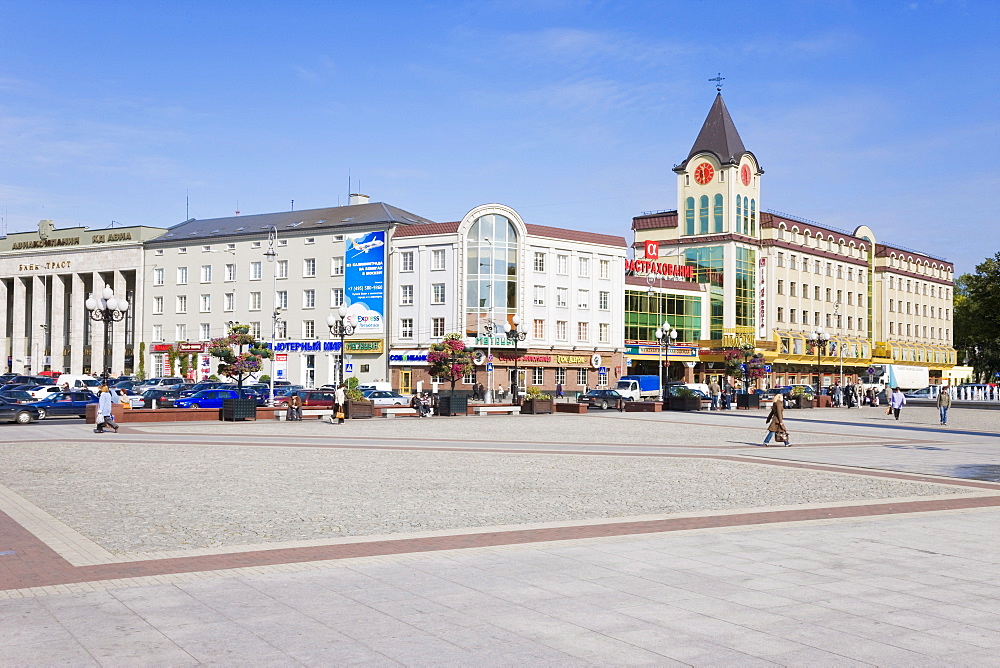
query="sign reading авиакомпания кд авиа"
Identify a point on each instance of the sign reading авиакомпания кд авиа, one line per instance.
(364, 281)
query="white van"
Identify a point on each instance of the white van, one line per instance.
(375, 385)
(79, 382)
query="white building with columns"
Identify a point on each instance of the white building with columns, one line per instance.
(46, 277)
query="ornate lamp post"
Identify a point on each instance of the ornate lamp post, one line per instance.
(272, 255)
(341, 327)
(106, 308)
(513, 334)
(818, 338)
(664, 337)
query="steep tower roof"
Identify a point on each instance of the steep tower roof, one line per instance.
(718, 136)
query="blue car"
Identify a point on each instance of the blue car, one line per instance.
(206, 399)
(65, 403)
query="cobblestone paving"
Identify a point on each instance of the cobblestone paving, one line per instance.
(139, 498)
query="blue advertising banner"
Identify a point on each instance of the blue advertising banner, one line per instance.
(364, 281)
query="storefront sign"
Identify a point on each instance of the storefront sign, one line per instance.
(190, 347)
(671, 351)
(364, 281)
(409, 357)
(506, 356)
(46, 243)
(652, 250)
(370, 346)
(306, 346)
(65, 264)
(762, 298)
(647, 267)
(572, 359)
(491, 341)
(162, 348)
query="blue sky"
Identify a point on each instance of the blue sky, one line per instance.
(882, 113)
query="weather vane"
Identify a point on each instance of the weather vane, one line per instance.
(718, 81)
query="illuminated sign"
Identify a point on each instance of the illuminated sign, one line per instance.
(762, 298)
(652, 250)
(372, 346)
(647, 267)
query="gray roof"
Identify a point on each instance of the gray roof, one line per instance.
(291, 222)
(718, 136)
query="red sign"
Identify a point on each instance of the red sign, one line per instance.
(646, 267)
(162, 347)
(652, 250)
(280, 358)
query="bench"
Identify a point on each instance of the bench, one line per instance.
(485, 410)
(318, 413)
(398, 411)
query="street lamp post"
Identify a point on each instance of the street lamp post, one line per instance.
(489, 328)
(106, 308)
(819, 339)
(341, 327)
(272, 254)
(513, 334)
(664, 336)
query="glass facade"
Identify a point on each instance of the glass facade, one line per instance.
(707, 264)
(645, 312)
(746, 261)
(491, 276)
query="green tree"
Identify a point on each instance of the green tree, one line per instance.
(976, 310)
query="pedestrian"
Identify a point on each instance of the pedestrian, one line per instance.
(944, 403)
(294, 411)
(838, 394)
(417, 405)
(339, 403)
(620, 404)
(727, 396)
(896, 401)
(425, 405)
(715, 392)
(776, 423)
(849, 396)
(559, 391)
(104, 417)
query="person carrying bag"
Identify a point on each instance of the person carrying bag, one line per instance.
(776, 423)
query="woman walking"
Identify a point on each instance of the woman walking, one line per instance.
(104, 418)
(896, 401)
(776, 423)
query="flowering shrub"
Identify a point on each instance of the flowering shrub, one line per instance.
(449, 359)
(235, 362)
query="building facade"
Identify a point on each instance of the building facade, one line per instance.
(768, 280)
(46, 277)
(562, 288)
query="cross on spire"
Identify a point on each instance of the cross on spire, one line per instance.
(718, 79)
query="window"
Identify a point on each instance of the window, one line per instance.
(406, 295)
(892, 328)
(561, 330)
(539, 299)
(805, 317)
(583, 331)
(337, 266)
(538, 331)
(791, 315)
(182, 275)
(254, 301)
(891, 304)
(850, 273)
(336, 297)
(805, 291)
(781, 287)
(309, 267)
(255, 271)
(781, 314)
(840, 296)
(537, 375)
(406, 328)
(850, 322)
(604, 300)
(437, 259)
(781, 259)
(817, 293)
(281, 329)
(158, 305)
(817, 266)
(584, 267)
(829, 294)
(562, 296)
(560, 376)
(792, 262)
(158, 276)
(159, 251)
(206, 273)
(840, 271)
(308, 329)
(281, 299)
(206, 331)
(206, 303)
(230, 272)
(539, 264)
(791, 289)
(850, 299)
(405, 261)
(829, 269)
(182, 250)
(310, 240)
(581, 376)
(254, 244)
(229, 301)
(583, 298)
(282, 268)
(437, 327)
(605, 268)
(157, 332)
(604, 332)
(308, 299)
(180, 333)
(206, 249)
(437, 293)
(562, 264)
(182, 304)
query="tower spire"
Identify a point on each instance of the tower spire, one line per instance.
(718, 135)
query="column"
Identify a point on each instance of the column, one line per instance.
(118, 328)
(77, 319)
(57, 324)
(138, 308)
(97, 330)
(39, 317)
(18, 316)
(4, 341)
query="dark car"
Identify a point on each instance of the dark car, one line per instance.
(65, 403)
(602, 398)
(7, 377)
(163, 398)
(125, 385)
(33, 380)
(18, 413)
(18, 397)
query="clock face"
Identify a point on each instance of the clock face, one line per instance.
(745, 174)
(703, 173)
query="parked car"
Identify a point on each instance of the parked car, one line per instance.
(31, 380)
(132, 399)
(310, 398)
(65, 403)
(42, 391)
(126, 385)
(207, 399)
(18, 397)
(162, 398)
(602, 398)
(18, 413)
(7, 377)
(79, 382)
(674, 390)
(386, 398)
(166, 383)
(16, 387)
(929, 392)
(191, 390)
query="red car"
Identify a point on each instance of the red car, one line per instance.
(310, 399)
